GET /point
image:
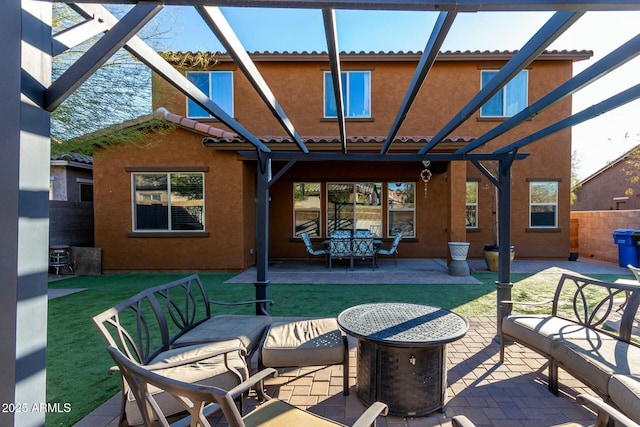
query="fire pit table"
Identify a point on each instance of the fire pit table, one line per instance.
(402, 354)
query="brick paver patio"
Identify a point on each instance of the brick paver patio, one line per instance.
(489, 393)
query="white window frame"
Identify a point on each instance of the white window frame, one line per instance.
(532, 204)
(209, 94)
(467, 204)
(505, 89)
(347, 97)
(295, 210)
(390, 209)
(169, 223)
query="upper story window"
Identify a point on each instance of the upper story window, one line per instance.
(218, 85)
(510, 100)
(356, 92)
(472, 204)
(168, 201)
(543, 202)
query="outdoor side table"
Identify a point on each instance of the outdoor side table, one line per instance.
(402, 354)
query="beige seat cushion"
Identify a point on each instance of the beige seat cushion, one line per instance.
(247, 328)
(539, 331)
(303, 343)
(210, 371)
(275, 413)
(624, 391)
(598, 359)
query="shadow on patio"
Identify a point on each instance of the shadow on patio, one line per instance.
(489, 393)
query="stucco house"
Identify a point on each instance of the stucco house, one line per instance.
(613, 187)
(184, 198)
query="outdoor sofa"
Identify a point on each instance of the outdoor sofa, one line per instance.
(171, 330)
(588, 333)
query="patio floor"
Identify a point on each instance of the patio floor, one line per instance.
(491, 394)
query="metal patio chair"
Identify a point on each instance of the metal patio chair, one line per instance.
(393, 250)
(310, 249)
(200, 401)
(339, 248)
(363, 248)
(604, 413)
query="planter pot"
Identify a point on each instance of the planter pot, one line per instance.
(491, 256)
(459, 250)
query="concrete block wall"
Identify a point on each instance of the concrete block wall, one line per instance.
(595, 239)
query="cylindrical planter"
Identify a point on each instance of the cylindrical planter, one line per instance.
(459, 250)
(491, 257)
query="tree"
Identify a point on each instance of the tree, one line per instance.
(120, 90)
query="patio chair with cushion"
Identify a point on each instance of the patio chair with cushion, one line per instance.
(310, 249)
(605, 414)
(393, 250)
(200, 401)
(339, 248)
(363, 248)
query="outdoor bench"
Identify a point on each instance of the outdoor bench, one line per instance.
(588, 334)
(171, 330)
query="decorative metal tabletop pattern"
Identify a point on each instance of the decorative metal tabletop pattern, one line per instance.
(403, 324)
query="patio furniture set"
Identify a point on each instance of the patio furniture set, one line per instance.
(588, 334)
(351, 245)
(174, 355)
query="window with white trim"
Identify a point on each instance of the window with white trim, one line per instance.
(472, 204)
(217, 85)
(402, 208)
(356, 93)
(168, 201)
(543, 203)
(509, 100)
(306, 208)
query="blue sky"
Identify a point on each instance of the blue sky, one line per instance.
(596, 142)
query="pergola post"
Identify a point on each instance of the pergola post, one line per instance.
(504, 285)
(25, 31)
(262, 234)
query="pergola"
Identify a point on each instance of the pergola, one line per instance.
(28, 96)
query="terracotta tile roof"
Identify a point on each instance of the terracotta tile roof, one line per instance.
(327, 141)
(458, 55)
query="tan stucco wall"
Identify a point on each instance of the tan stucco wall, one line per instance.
(595, 237)
(230, 183)
(225, 218)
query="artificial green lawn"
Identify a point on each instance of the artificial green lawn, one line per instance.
(77, 362)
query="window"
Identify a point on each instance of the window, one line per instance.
(543, 204)
(168, 201)
(354, 206)
(356, 91)
(402, 208)
(218, 85)
(306, 208)
(86, 192)
(472, 204)
(510, 100)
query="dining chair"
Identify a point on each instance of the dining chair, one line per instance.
(393, 250)
(200, 401)
(339, 248)
(310, 249)
(363, 248)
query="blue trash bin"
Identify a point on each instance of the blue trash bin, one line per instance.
(627, 247)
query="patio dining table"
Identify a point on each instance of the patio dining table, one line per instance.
(342, 244)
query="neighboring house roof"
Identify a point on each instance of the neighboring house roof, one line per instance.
(81, 161)
(609, 165)
(187, 58)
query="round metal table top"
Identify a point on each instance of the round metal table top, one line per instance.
(403, 324)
